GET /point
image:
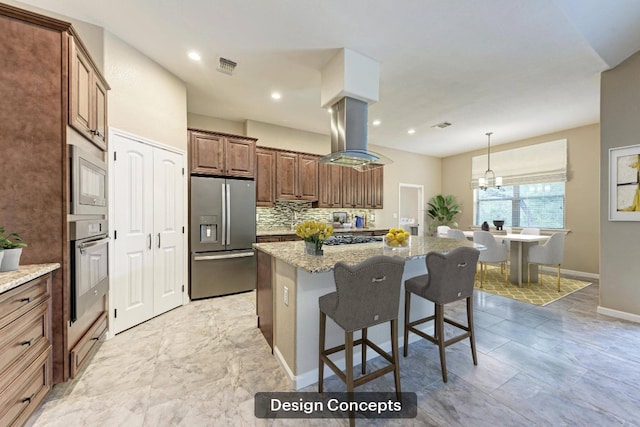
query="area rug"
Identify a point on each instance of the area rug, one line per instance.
(541, 293)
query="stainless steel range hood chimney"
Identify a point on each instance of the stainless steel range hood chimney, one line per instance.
(349, 85)
(349, 117)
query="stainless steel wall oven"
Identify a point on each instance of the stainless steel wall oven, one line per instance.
(89, 264)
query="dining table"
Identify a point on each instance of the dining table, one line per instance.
(519, 253)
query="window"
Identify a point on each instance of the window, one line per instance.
(526, 205)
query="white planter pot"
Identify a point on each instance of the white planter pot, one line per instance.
(11, 259)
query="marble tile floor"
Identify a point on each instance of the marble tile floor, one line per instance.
(201, 364)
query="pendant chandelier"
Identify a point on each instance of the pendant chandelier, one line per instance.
(490, 179)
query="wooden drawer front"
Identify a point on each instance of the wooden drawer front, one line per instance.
(25, 394)
(22, 341)
(267, 239)
(18, 301)
(87, 344)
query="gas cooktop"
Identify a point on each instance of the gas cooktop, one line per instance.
(349, 239)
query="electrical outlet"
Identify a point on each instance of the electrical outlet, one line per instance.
(257, 217)
(395, 215)
(372, 217)
(286, 296)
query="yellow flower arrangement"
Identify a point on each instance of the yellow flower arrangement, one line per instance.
(314, 232)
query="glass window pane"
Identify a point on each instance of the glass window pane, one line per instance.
(527, 205)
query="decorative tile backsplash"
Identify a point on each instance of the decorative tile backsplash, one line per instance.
(286, 213)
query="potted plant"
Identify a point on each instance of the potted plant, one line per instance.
(442, 210)
(11, 246)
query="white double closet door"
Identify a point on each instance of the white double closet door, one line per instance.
(149, 254)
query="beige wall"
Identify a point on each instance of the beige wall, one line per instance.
(581, 192)
(197, 121)
(288, 139)
(145, 99)
(619, 245)
(407, 168)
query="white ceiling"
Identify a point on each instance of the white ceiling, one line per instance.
(519, 68)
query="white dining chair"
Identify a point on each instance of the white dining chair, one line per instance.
(454, 233)
(495, 253)
(442, 230)
(551, 253)
(531, 230)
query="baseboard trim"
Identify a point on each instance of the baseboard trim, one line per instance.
(619, 314)
(284, 364)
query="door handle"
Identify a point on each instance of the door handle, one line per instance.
(149, 241)
(230, 256)
(228, 206)
(158, 239)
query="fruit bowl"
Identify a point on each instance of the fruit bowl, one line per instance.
(397, 239)
(498, 223)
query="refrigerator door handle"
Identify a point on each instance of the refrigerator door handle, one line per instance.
(214, 257)
(228, 207)
(224, 214)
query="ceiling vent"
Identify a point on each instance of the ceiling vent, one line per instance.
(442, 125)
(226, 66)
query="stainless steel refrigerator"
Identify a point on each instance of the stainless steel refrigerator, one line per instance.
(223, 228)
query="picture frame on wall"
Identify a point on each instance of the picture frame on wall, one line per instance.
(624, 183)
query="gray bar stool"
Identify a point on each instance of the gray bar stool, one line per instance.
(450, 278)
(366, 294)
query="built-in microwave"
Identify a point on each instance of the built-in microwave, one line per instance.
(88, 183)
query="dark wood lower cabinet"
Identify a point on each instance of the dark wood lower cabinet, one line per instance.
(264, 297)
(88, 344)
(25, 350)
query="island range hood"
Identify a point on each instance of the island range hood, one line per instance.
(349, 117)
(349, 84)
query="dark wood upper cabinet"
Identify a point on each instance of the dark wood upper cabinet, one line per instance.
(87, 96)
(218, 154)
(329, 186)
(308, 177)
(373, 188)
(297, 176)
(265, 177)
(352, 188)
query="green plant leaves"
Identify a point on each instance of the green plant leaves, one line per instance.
(442, 209)
(11, 240)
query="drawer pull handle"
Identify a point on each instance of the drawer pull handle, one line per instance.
(27, 342)
(95, 338)
(28, 399)
(27, 299)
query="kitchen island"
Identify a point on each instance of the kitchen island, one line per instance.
(290, 283)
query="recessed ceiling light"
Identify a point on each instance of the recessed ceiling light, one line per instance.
(276, 95)
(376, 122)
(195, 56)
(411, 131)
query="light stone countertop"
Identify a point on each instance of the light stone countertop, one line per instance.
(294, 252)
(24, 273)
(288, 231)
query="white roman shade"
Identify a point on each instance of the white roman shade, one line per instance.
(533, 164)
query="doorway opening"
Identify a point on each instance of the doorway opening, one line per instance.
(411, 208)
